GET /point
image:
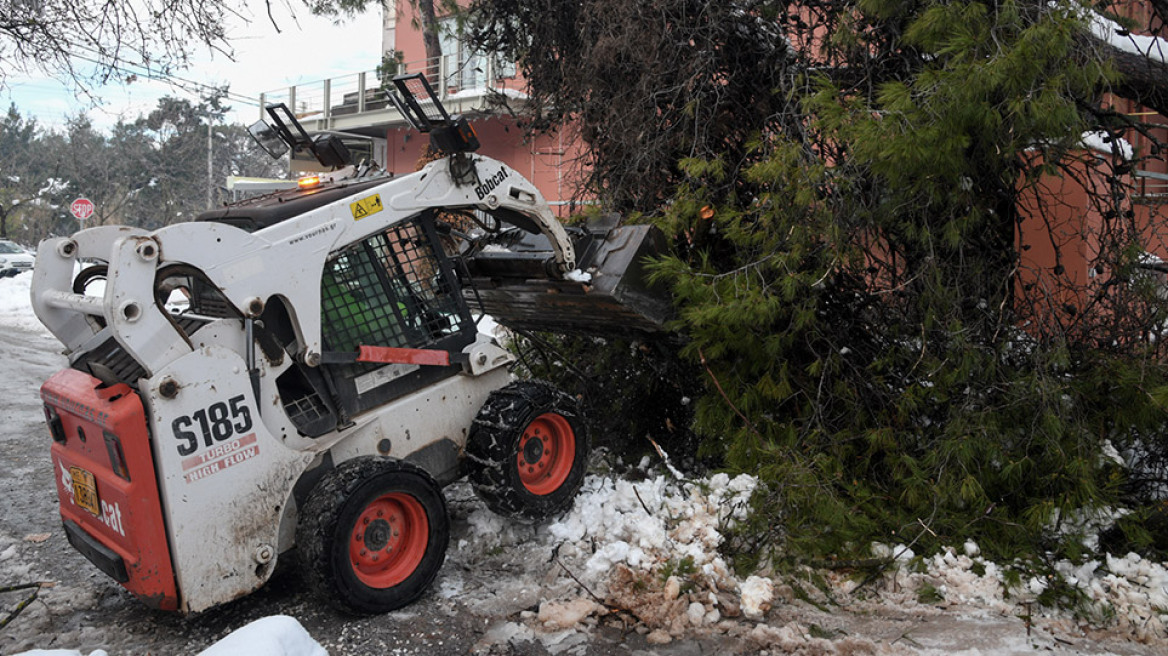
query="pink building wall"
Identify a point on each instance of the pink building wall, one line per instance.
(551, 161)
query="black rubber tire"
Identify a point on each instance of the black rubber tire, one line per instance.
(494, 445)
(326, 528)
(89, 274)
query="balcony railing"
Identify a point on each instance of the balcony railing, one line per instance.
(1150, 174)
(356, 95)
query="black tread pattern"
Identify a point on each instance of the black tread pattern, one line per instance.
(322, 544)
(493, 448)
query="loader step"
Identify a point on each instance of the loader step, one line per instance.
(106, 559)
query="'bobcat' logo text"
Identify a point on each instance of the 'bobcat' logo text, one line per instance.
(490, 183)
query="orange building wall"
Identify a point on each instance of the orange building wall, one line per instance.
(1061, 267)
(1056, 238)
(551, 162)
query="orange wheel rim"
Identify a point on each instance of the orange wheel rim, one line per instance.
(547, 452)
(389, 540)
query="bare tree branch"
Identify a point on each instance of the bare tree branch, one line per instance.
(90, 42)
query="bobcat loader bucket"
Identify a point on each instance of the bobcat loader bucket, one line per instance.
(609, 294)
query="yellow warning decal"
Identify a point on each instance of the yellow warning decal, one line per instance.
(366, 206)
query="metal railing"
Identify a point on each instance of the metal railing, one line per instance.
(1150, 176)
(364, 92)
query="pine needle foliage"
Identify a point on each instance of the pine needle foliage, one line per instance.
(860, 315)
(852, 279)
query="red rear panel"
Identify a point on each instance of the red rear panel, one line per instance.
(107, 485)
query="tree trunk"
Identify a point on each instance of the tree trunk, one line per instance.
(1143, 79)
(430, 40)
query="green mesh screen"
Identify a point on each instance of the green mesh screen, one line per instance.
(386, 291)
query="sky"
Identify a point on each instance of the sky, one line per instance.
(308, 49)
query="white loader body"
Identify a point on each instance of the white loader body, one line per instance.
(234, 401)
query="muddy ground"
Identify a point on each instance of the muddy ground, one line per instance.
(486, 600)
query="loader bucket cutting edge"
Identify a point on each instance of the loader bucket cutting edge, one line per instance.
(617, 301)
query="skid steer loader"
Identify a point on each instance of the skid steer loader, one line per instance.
(304, 370)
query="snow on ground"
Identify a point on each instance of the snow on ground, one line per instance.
(276, 635)
(652, 548)
(61, 653)
(647, 553)
(15, 307)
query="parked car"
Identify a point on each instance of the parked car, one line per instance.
(14, 259)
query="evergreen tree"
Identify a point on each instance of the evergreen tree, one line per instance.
(19, 169)
(148, 172)
(851, 270)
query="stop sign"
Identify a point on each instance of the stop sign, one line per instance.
(82, 208)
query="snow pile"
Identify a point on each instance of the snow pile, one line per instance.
(652, 524)
(963, 578)
(15, 306)
(1128, 594)
(1086, 524)
(1131, 590)
(757, 595)
(648, 549)
(277, 635)
(643, 527)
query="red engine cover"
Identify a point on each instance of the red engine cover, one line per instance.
(107, 485)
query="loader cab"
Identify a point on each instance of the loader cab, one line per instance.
(396, 288)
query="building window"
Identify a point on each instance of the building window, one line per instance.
(465, 67)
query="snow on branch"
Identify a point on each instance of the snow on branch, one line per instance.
(1120, 37)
